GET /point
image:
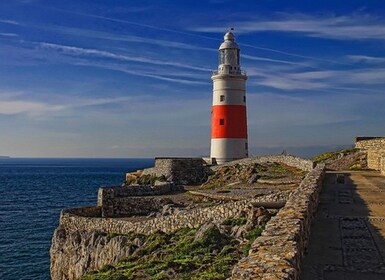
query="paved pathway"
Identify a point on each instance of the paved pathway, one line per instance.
(348, 233)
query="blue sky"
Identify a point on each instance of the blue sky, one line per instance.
(132, 78)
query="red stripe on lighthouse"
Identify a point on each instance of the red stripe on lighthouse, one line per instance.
(229, 121)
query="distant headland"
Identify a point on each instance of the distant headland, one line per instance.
(4, 157)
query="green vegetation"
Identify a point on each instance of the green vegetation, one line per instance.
(251, 236)
(181, 255)
(333, 155)
(144, 180)
(235, 221)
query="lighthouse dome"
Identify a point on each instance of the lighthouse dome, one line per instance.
(229, 42)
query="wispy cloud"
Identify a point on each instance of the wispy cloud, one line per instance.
(27, 107)
(16, 103)
(81, 32)
(9, 21)
(265, 59)
(350, 27)
(366, 59)
(291, 79)
(177, 77)
(9, 35)
(71, 50)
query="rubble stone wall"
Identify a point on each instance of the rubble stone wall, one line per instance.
(277, 253)
(375, 149)
(133, 200)
(300, 163)
(383, 166)
(71, 219)
(179, 170)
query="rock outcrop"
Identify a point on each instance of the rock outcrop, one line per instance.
(75, 253)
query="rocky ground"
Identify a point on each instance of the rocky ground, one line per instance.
(346, 159)
(208, 252)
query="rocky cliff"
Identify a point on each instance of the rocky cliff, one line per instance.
(74, 253)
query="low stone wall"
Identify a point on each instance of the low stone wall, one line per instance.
(91, 211)
(107, 193)
(375, 148)
(300, 163)
(179, 170)
(133, 200)
(277, 253)
(192, 218)
(134, 206)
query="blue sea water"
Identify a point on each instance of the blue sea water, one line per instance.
(32, 193)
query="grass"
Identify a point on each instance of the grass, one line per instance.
(181, 255)
(333, 155)
(145, 180)
(235, 221)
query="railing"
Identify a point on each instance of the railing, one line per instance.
(229, 72)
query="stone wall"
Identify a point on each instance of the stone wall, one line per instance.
(72, 221)
(375, 148)
(277, 253)
(179, 170)
(300, 163)
(134, 199)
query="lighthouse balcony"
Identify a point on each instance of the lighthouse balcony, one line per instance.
(227, 71)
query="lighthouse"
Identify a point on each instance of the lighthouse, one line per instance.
(228, 114)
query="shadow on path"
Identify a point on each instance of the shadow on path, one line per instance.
(347, 238)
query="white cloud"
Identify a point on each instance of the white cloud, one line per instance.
(9, 35)
(13, 104)
(352, 27)
(9, 21)
(27, 107)
(71, 50)
(366, 59)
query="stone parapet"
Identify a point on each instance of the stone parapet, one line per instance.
(133, 199)
(179, 170)
(375, 148)
(294, 161)
(277, 253)
(71, 221)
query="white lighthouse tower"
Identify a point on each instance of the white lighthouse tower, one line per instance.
(228, 115)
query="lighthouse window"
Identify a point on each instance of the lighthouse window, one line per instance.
(221, 121)
(222, 98)
(244, 98)
(246, 145)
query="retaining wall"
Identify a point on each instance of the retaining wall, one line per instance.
(300, 163)
(134, 199)
(277, 253)
(72, 221)
(375, 148)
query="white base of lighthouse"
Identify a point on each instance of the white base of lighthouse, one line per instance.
(228, 149)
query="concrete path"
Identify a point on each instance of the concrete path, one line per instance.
(348, 234)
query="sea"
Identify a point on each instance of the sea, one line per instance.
(32, 193)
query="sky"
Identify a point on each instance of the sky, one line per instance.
(93, 78)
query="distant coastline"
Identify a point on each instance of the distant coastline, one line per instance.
(4, 157)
